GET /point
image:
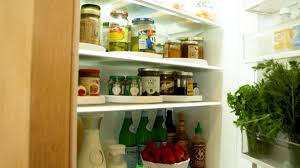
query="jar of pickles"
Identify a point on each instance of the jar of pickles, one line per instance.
(90, 24)
(143, 35)
(172, 49)
(167, 82)
(150, 81)
(116, 85)
(118, 31)
(133, 86)
(184, 83)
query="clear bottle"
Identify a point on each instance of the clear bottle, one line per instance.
(116, 156)
(91, 154)
(181, 135)
(198, 149)
(128, 138)
(171, 129)
(118, 31)
(159, 131)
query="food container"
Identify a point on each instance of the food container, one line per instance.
(167, 82)
(118, 31)
(133, 86)
(184, 83)
(190, 49)
(159, 49)
(116, 85)
(172, 49)
(143, 35)
(150, 81)
(90, 24)
(90, 80)
(183, 164)
(105, 34)
(200, 42)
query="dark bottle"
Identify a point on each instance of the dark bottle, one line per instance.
(171, 129)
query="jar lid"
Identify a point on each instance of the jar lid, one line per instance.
(189, 42)
(197, 38)
(182, 38)
(117, 77)
(167, 72)
(133, 77)
(89, 70)
(91, 9)
(182, 73)
(124, 13)
(148, 70)
(173, 42)
(143, 19)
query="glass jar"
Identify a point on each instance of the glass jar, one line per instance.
(159, 49)
(167, 82)
(90, 24)
(143, 35)
(105, 34)
(190, 49)
(150, 81)
(89, 82)
(200, 41)
(172, 49)
(133, 85)
(196, 89)
(184, 83)
(116, 85)
(118, 31)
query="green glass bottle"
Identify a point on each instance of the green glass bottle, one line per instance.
(159, 131)
(128, 138)
(143, 133)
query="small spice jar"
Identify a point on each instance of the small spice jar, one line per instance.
(200, 41)
(90, 80)
(150, 81)
(90, 24)
(133, 86)
(184, 83)
(116, 85)
(190, 49)
(167, 82)
(172, 49)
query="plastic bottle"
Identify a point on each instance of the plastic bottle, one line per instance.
(181, 135)
(171, 129)
(116, 156)
(128, 138)
(198, 149)
(159, 131)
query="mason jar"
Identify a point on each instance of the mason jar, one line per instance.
(118, 31)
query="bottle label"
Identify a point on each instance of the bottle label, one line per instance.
(131, 156)
(118, 34)
(190, 90)
(151, 85)
(198, 155)
(172, 137)
(91, 85)
(146, 39)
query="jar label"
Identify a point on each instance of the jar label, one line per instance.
(134, 91)
(118, 34)
(89, 31)
(151, 85)
(198, 155)
(193, 51)
(131, 156)
(116, 89)
(166, 87)
(146, 39)
(91, 85)
(190, 88)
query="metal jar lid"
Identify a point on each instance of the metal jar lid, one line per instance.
(190, 42)
(182, 38)
(173, 42)
(148, 70)
(115, 13)
(90, 9)
(197, 38)
(166, 72)
(182, 73)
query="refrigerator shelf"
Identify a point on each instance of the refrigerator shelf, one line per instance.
(275, 56)
(124, 107)
(130, 59)
(134, 99)
(267, 7)
(85, 100)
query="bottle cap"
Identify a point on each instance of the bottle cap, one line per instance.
(198, 129)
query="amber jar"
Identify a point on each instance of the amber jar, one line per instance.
(90, 80)
(150, 81)
(190, 49)
(200, 42)
(172, 49)
(167, 82)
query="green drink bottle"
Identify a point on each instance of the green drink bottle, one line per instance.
(159, 131)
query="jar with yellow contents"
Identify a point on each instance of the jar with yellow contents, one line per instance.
(118, 31)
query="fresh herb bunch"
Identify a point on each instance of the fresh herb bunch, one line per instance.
(281, 86)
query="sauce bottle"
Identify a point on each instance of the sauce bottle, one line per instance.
(198, 148)
(181, 135)
(171, 129)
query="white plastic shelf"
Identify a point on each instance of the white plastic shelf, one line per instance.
(86, 100)
(275, 56)
(174, 98)
(134, 99)
(124, 107)
(268, 7)
(140, 59)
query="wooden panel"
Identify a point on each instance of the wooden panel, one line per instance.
(52, 84)
(15, 47)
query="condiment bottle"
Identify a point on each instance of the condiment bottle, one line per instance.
(181, 135)
(171, 129)
(128, 138)
(198, 149)
(116, 156)
(159, 131)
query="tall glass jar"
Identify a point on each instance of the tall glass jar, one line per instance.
(118, 31)
(90, 24)
(143, 35)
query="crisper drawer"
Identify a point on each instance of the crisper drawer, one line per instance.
(278, 154)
